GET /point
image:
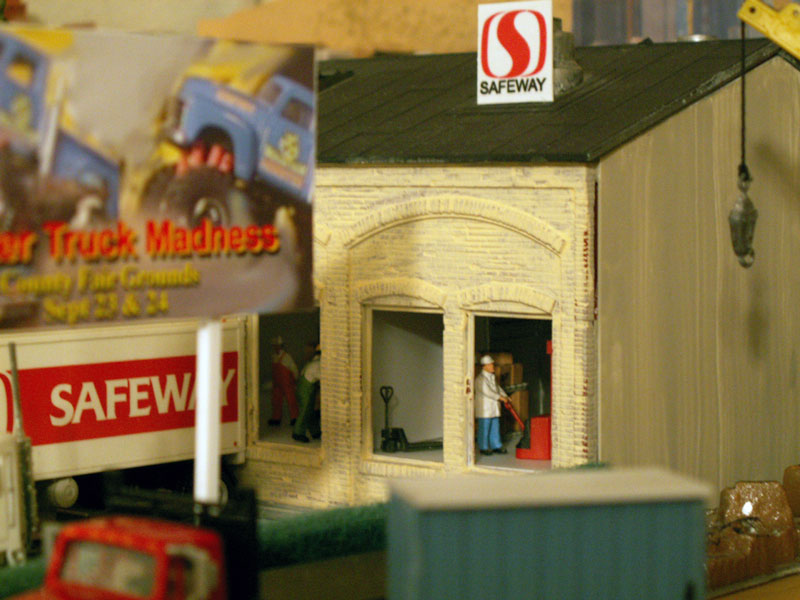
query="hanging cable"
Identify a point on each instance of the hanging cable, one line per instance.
(743, 216)
(743, 171)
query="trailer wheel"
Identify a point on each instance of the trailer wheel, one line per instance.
(224, 492)
(15, 557)
(199, 194)
(63, 493)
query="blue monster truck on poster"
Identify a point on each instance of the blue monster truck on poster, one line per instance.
(235, 128)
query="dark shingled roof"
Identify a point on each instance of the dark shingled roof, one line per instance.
(417, 109)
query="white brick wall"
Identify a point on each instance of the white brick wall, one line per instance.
(503, 240)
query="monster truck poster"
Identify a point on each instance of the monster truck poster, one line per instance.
(152, 176)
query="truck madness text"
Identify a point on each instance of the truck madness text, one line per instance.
(162, 239)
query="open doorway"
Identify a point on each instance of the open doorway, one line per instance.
(521, 349)
(287, 342)
(407, 384)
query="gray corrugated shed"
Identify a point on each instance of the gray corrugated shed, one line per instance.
(417, 109)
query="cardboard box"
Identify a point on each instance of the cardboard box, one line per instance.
(508, 374)
(502, 358)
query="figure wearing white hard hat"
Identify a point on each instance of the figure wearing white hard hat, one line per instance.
(488, 397)
(284, 382)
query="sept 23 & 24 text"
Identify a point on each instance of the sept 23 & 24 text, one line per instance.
(96, 275)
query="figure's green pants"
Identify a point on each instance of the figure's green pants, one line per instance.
(305, 397)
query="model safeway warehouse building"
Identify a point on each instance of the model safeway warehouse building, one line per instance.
(598, 221)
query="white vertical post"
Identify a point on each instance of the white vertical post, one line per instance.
(208, 413)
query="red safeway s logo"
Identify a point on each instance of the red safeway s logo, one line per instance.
(520, 45)
(515, 52)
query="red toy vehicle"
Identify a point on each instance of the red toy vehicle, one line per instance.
(119, 558)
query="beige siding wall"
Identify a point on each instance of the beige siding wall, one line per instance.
(505, 241)
(699, 357)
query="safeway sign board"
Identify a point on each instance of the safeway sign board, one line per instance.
(515, 52)
(110, 399)
(91, 403)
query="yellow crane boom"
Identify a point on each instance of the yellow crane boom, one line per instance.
(781, 26)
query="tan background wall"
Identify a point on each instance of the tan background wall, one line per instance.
(360, 27)
(699, 358)
(355, 26)
(496, 240)
(139, 15)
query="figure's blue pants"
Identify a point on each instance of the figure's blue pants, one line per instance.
(489, 434)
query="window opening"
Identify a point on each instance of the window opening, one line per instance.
(270, 91)
(521, 352)
(289, 382)
(110, 568)
(407, 384)
(299, 113)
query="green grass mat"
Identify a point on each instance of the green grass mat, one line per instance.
(302, 538)
(15, 580)
(322, 534)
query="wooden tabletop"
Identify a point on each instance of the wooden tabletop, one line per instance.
(780, 589)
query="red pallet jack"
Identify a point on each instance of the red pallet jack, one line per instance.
(540, 449)
(510, 408)
(536, 441)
